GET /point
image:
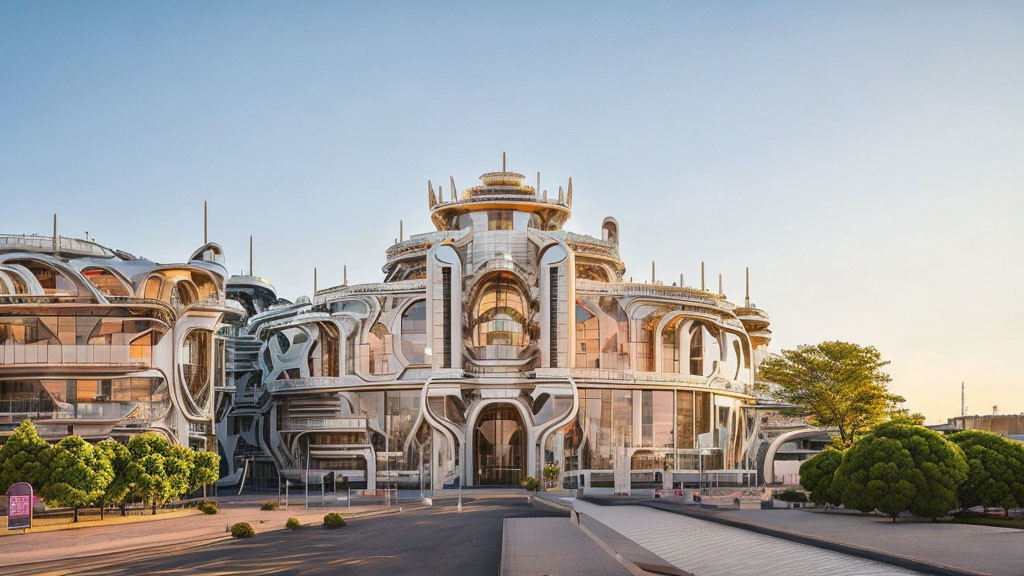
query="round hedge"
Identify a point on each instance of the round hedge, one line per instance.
(901, 468)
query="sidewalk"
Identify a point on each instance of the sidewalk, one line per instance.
(709, 549)
(980, 549)
(199, 528)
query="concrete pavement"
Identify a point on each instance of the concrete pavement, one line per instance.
(709, 549)
(98, 540)
(430, 540)
(980, 549)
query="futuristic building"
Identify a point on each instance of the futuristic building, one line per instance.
(495, 345)
(102, 344)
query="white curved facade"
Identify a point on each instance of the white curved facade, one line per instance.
(497, 344)
(99, 343)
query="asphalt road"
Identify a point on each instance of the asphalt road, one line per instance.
(437, 540)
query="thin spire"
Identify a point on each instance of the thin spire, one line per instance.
(702, 287)
(451, 182)
(537, 189)
(250, 254)
(720, 291)
(314, 281)
(746, 301)
(56, 241)
(206, 236)
(680, 279)
(401, 231)
(568, 195)
(344, 275)
(502, 161)
(430, 195)
(652, 272)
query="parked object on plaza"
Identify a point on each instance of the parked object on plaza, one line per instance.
(19, 506)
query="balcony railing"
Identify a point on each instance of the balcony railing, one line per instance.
(36, 409)
(327, 424)
(73, 354)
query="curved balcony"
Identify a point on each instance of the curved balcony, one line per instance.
(100, 354)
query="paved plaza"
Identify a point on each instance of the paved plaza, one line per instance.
(709, 549)
(985, 549)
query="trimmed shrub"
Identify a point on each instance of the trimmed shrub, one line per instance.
(995, 476)
(292, 524)
(791, 496)
(333, 520)
(268, 506)
(207, 507)
(817, 475)
(531, 484)
(900, 468)
(242, 530)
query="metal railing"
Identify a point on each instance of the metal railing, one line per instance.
(12, 353)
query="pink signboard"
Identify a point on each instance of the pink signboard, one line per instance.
(19, 506)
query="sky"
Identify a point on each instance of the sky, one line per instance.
(865, 160)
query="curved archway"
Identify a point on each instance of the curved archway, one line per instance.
(499, 440)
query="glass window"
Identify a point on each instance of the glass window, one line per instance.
(414, 332)
(105, 282)
(500, 321)
(380, 348)
(196, 365)
(588, 352)
(152, 291)
(684, 420)
(697, 350)
(499, 220)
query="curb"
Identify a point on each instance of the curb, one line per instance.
(858, 551)
(659, 567)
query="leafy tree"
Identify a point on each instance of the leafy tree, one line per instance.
(205, 470)
(837, 385)
(25, 457)
(79, 473)
(905, 416)
(817, 476)
(899, 468)
(119, 457)
(995, 476)
(154, 471)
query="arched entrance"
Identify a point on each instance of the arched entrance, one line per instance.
(500, 444)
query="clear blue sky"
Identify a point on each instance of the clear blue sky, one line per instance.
(866, 160)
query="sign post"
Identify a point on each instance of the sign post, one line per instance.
(19, 504)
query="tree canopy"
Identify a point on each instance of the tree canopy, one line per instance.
(79, 474)
(817, 473)
(898, 468)
(24, 457)
(995, 476)
(837, 385)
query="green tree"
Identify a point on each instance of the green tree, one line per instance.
(205, 470)
(119, 457)
(817, 476)
(995, 476)
(79, 474)
(897, 468)
(25, 457)
(153, 472)
(836, 385)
